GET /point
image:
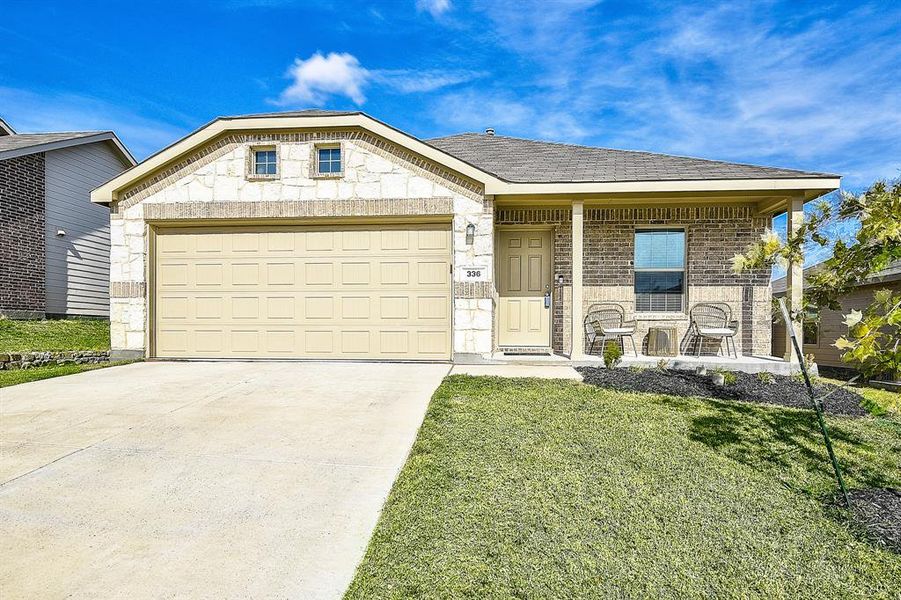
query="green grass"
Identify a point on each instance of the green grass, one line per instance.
(62, 334)
(15, 377)
(551, 489)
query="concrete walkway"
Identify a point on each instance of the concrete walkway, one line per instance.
(201, 480)
(564, 371)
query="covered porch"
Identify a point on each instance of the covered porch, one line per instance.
(607, 251)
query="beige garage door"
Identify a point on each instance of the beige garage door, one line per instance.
(379, 292)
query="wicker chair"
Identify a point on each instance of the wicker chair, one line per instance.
(606, 321)
(713, 320)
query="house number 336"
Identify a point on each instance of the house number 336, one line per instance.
(474, 273)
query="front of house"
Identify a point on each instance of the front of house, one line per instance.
(331, 235)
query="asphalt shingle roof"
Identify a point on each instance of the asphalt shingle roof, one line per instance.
(26, 140)
(520, 160)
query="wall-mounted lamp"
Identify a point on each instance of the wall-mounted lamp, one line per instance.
(470, 234)
(560, 279)
(60, 232)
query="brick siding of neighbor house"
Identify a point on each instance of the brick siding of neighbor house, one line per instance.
(713, 235)
(22, 215)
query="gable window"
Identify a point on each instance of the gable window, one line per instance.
(328, 160)
(262, 162)
(660, 270)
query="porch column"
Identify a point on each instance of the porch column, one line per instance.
(794, 275)
(578, 332)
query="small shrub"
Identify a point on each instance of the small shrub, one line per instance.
(612, 355)
(636, 368)
(729, 377)
(663, 364)
(765, 377)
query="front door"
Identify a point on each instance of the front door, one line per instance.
(524, 279)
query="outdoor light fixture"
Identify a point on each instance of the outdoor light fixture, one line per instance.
(470, 234)
(560, 279)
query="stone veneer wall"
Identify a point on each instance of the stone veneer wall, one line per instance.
(22, 246)
(26, 360)
(713, 235)
(379, 179)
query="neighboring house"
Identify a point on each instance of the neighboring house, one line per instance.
(822, 329)
(54, 243)
(325, 234)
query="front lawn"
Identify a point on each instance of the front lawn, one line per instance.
(17, 376)
(878, 402)
(553, 489)
(54, 335)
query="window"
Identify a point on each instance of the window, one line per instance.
(328, 160)
(264, 162)
(659, 270)
(811, 328)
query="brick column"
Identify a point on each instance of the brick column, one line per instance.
(794, 275)
(578, 332)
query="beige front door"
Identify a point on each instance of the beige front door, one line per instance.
(350, 292)
(524, 277)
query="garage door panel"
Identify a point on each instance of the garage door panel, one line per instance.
(304, 292)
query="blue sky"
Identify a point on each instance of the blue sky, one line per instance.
(805, 85)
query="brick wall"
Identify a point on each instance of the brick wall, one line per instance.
(22, 281)
(713, 235)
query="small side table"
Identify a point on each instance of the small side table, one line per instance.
(662, 341)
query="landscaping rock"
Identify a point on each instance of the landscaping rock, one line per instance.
(781, 390)
(28, 360)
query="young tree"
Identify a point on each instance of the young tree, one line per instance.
(873, 342)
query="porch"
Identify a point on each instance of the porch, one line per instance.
(556, 261)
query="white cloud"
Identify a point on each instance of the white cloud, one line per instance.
(408, 81)
(319, 77)
(812, 88)
(474, 111)
(436, 8)
(59, 111)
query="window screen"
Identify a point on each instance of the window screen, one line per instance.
(660, 270)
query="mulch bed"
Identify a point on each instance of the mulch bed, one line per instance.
(784, 391)
(877, 513)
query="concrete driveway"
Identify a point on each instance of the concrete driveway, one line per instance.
(201, 480)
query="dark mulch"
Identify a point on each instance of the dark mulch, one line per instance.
(784, 391)
(877, 513)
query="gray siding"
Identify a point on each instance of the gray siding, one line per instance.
(78, 263)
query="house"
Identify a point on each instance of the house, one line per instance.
(822, 329)
(54, 243)
(332, 235)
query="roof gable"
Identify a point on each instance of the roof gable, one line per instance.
(21, 144)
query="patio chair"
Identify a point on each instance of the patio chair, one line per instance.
(713, 320)
(606, 321)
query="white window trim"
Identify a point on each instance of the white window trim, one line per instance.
(249, 172)
(655, 315)
(314, 161)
